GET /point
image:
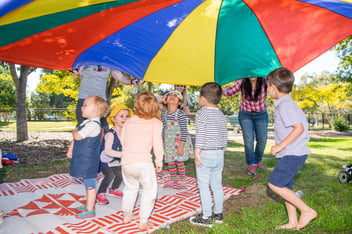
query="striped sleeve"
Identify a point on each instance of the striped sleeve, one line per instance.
(182, 120)
(211, 129)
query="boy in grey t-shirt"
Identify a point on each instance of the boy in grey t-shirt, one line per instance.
(291, 137)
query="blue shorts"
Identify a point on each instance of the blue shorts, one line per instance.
(89, 183)
(286, 170)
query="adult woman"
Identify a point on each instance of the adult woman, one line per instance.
(94, 79)
(186, 103)
(253, 118)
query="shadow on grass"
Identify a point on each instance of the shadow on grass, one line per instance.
(4, 124)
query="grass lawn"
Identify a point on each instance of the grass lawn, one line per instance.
(37, 126)
(253, 211)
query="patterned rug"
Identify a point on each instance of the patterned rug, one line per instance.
(48, 205)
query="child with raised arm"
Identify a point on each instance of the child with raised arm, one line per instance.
(211, 142)
(177, 142)
(291, 137)
(110, 157)
(85, 151)
(140, 134)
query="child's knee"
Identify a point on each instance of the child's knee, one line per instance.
(89, 183)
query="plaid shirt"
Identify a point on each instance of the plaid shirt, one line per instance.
(248, 106)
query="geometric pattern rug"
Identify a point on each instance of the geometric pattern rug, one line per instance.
(47, 205)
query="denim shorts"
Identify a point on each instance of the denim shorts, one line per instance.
(285, 171)
(89, 183)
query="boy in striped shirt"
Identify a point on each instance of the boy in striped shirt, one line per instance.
(211, 142)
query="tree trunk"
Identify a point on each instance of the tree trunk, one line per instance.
(21, 85)
(110, 89)
(150, 86)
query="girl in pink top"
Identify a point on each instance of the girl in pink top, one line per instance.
(140, 134)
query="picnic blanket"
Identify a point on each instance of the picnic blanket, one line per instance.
(47, 205)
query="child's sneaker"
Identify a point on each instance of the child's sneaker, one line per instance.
(182, 184)
(251, 170)
(218, 218)
(82, 208)
(260, 166)
(101, 199)
(115, 193)
(86, 214)
(170, 184)
(200, 221)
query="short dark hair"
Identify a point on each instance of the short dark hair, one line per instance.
(212, 92)
(282, 78)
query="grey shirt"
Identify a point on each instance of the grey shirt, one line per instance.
(287, 114)
(93, 82)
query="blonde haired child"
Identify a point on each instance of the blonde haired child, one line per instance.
(110, 157)
(85, 151)
(140, 134)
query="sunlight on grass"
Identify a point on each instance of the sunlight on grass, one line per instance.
(39, 126)
(253, 211)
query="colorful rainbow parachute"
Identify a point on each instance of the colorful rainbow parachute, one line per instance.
(172, 41)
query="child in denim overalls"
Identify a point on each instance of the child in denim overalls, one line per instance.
(177, 142)
(85, 151)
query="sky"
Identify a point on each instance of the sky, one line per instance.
(327, 61)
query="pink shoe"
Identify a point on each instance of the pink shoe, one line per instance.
(115, 193)
(171, 184)
(182, 184)
(101, 199)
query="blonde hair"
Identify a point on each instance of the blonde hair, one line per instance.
(102, 106)
(146, 106)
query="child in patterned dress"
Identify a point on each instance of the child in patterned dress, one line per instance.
(177, 142)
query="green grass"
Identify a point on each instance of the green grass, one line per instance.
(253, 211)
(246, 213)
(39, 126)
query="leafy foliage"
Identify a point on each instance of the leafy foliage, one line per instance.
(7, 92)
(59, 82)
(344, 52)
(324, 92)
(339, 124)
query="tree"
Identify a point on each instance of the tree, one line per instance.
(344, 52)
(59, 82)
(20, 81)
(62, 82)
(7, 94)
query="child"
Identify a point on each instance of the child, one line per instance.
(85, 150)
(211, 142)
(110, 158)
(140, 134)
(177, 142)
(291, 137)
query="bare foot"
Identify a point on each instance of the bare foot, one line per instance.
(145, 226)
(305, 218)
(128, 219)
(286, 226)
